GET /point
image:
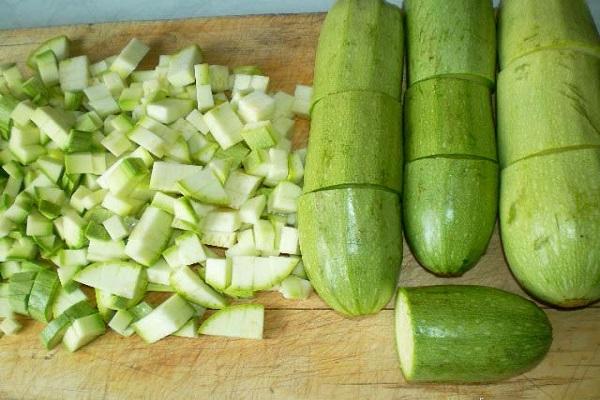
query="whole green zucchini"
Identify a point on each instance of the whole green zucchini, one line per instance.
(361, 47)
(548, 100)
(451, 176)
(526, 26)
(355, 138)
(349, 215)
(549, 146)
(468, 334)
(352, 246)
(451, 38)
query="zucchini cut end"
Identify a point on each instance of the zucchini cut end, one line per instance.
(404, 335)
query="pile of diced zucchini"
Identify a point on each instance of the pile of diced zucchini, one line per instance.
(123, 181)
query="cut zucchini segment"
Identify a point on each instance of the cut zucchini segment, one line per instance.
(59, 46)
(189, 285)
(150, 236)
(120, 323)
(43, 292)
(257, 106)
(295, 288)
(164, 320)
(53, 333)
(260, 273)
(284, 198)
(165, 175)
(74, 74)
(82, 331)
(224, 125)
(204, 186)
(241, 321)
(218, 272)
(116, 277)
(181, 66)
(10, 326)
(129, 58)
(19, 289)
(169, 110)
(190, 329)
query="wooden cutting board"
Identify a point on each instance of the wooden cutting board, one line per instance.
(309, 352)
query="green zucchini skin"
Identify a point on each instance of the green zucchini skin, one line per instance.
(361, 47)
(449, 117)
(449, 207)
(442, 36)
(468, 334)
(550, 225)
(548, 100)
(525, 26)
(355, 138)
(351, 242)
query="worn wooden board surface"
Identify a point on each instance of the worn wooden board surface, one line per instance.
(309, 352)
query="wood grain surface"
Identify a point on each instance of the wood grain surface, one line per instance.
(309, 352)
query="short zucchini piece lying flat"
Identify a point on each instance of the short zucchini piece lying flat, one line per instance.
(243, 321)
(468, 334)
(351, 241)
(455, 37)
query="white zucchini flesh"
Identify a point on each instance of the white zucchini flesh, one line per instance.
(225, 125)
(122, 177)
(190, 286)
(260, 273)
(82, 331)
(165, 175)
(218, 272)
(129, 58)
(149, 236)
(295, 288)
(189, 330)
(404, 334)
(164, 320)
(241, 321)
(116, 277)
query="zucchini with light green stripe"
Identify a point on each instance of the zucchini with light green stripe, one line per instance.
(451, 38)
(451, 176)
(525, 26)
(355, 138)
(352, 246)
(361, 47)
(468, 334)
